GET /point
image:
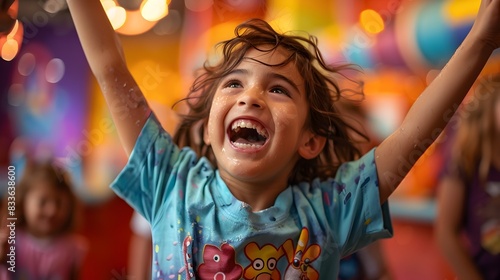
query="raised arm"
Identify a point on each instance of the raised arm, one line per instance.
(433, 109)
(102, 48)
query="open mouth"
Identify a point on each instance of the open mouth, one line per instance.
(247, 134)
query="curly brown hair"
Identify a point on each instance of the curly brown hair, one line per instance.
(322, 91)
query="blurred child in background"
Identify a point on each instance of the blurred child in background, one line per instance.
(468, 222)
(45, 245)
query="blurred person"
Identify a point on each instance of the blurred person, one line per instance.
(45, 207)
(468, 220)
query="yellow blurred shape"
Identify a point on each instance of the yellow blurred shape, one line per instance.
(371, 21)
(135, 24)
(9, 49)
(108, 4)
(9, 45)
(154, 10)
(459, 11)
(117, 16)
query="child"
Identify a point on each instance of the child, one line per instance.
(469, 192)
(45, 248)
(273, 189)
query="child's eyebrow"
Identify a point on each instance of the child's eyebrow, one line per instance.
(286, 79)
(273, 75)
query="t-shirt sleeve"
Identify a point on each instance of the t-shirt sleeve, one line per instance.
(149, 175)
(358, 217)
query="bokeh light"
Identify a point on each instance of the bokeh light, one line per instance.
(54, 71)
(117, 16)
(9, 49)
(26, 64)
(371, 21)
(16, 95)
(10, 44)
(154, 10)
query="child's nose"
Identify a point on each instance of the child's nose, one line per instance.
(51, 209)
(253, 97)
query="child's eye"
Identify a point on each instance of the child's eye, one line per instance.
(233, 84)
(280, 90)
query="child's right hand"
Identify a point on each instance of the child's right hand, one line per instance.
(486, 27)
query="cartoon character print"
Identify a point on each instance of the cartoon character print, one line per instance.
(263, 262)
(219, 264)
(188, 260)
(300, 258)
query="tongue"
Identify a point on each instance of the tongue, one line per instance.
(249, 141)
(248, 136)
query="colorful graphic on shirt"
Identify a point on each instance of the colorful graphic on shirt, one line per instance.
(219, 263)
(300, 258)
(263, 261)
(188, 259)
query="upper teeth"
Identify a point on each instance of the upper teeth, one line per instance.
(249, 124)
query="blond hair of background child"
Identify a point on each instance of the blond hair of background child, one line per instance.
(468, 222)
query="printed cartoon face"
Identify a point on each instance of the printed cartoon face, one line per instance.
(219, 263)
(257, 120)
(263, 262)
(301, 257)
(188, 260)
(301, 264)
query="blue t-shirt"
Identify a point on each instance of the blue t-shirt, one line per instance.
(200, 230)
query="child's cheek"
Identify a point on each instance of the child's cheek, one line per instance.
(285, 117)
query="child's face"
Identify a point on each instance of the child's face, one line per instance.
(257, 121)
(46, 210)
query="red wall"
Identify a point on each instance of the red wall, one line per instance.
(107, 229)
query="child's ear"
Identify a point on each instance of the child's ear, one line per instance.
(312, 145)
(206, 138)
